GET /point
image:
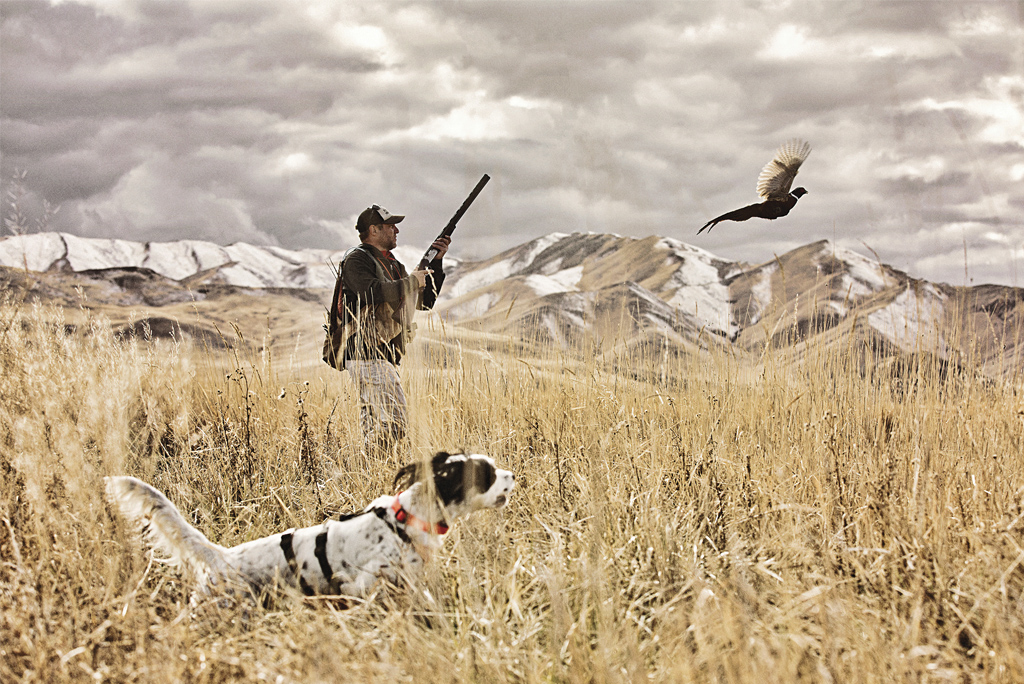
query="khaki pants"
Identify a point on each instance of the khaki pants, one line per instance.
(382, 404)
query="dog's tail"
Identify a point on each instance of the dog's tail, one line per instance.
(165, 528)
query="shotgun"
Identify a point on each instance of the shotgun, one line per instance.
(450, 228)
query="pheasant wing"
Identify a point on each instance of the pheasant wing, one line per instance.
(777, 176)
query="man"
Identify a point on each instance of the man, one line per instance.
(375, 300)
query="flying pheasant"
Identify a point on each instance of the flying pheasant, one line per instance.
(772, 186)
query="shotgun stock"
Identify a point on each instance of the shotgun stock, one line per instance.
(450, 228)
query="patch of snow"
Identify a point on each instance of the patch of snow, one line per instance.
(499, 270)
(85, 254)
(912, 319)
(848, 293)
(852, 289)
(700, 292)
(253, 267)
(536, 247)
(179, 260)
(565, 280)
(685, 249)
(761, 293)
(478, 306)
(35, 251)
(479, 277)
(864, 277)
(240, 276)
(553, 266)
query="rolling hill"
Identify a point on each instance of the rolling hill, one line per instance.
(559, 289)
(564, 286)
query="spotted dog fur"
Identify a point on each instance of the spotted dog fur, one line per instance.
(390, 539)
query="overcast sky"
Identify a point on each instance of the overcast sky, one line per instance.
(278, 122)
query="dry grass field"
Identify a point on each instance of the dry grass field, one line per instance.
(698, 517)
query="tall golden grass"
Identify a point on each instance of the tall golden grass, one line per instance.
(688, 517)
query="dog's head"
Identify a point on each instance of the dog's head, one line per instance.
(463, 482)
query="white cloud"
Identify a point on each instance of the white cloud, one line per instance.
(525, 102)
(999, 238)
(124, 9)
(279, 121)
(979, 20)
(147, 204)
(296, 162)
(370, 39)
(1002, 109)
(478, 120)
(928, 169)
(790, 42)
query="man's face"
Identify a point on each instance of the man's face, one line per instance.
(387, 235)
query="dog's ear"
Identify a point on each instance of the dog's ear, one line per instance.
(449, 477)
(412, 473)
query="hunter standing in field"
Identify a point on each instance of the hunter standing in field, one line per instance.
(374, 302)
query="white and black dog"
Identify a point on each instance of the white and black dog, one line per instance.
(390, 539)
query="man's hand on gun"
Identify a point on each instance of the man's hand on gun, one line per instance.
(420, 274)
(441, 244)
(419, 277)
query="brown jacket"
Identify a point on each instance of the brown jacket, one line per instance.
(376, 296)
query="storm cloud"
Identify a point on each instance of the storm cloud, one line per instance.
(277, 122)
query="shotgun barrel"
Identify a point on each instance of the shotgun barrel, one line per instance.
(450, 228)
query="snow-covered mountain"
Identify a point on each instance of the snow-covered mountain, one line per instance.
(238, 265)
(680, 281)
(560, 286)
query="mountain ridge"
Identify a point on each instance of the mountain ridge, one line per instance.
(622, 288)
(561, 287)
